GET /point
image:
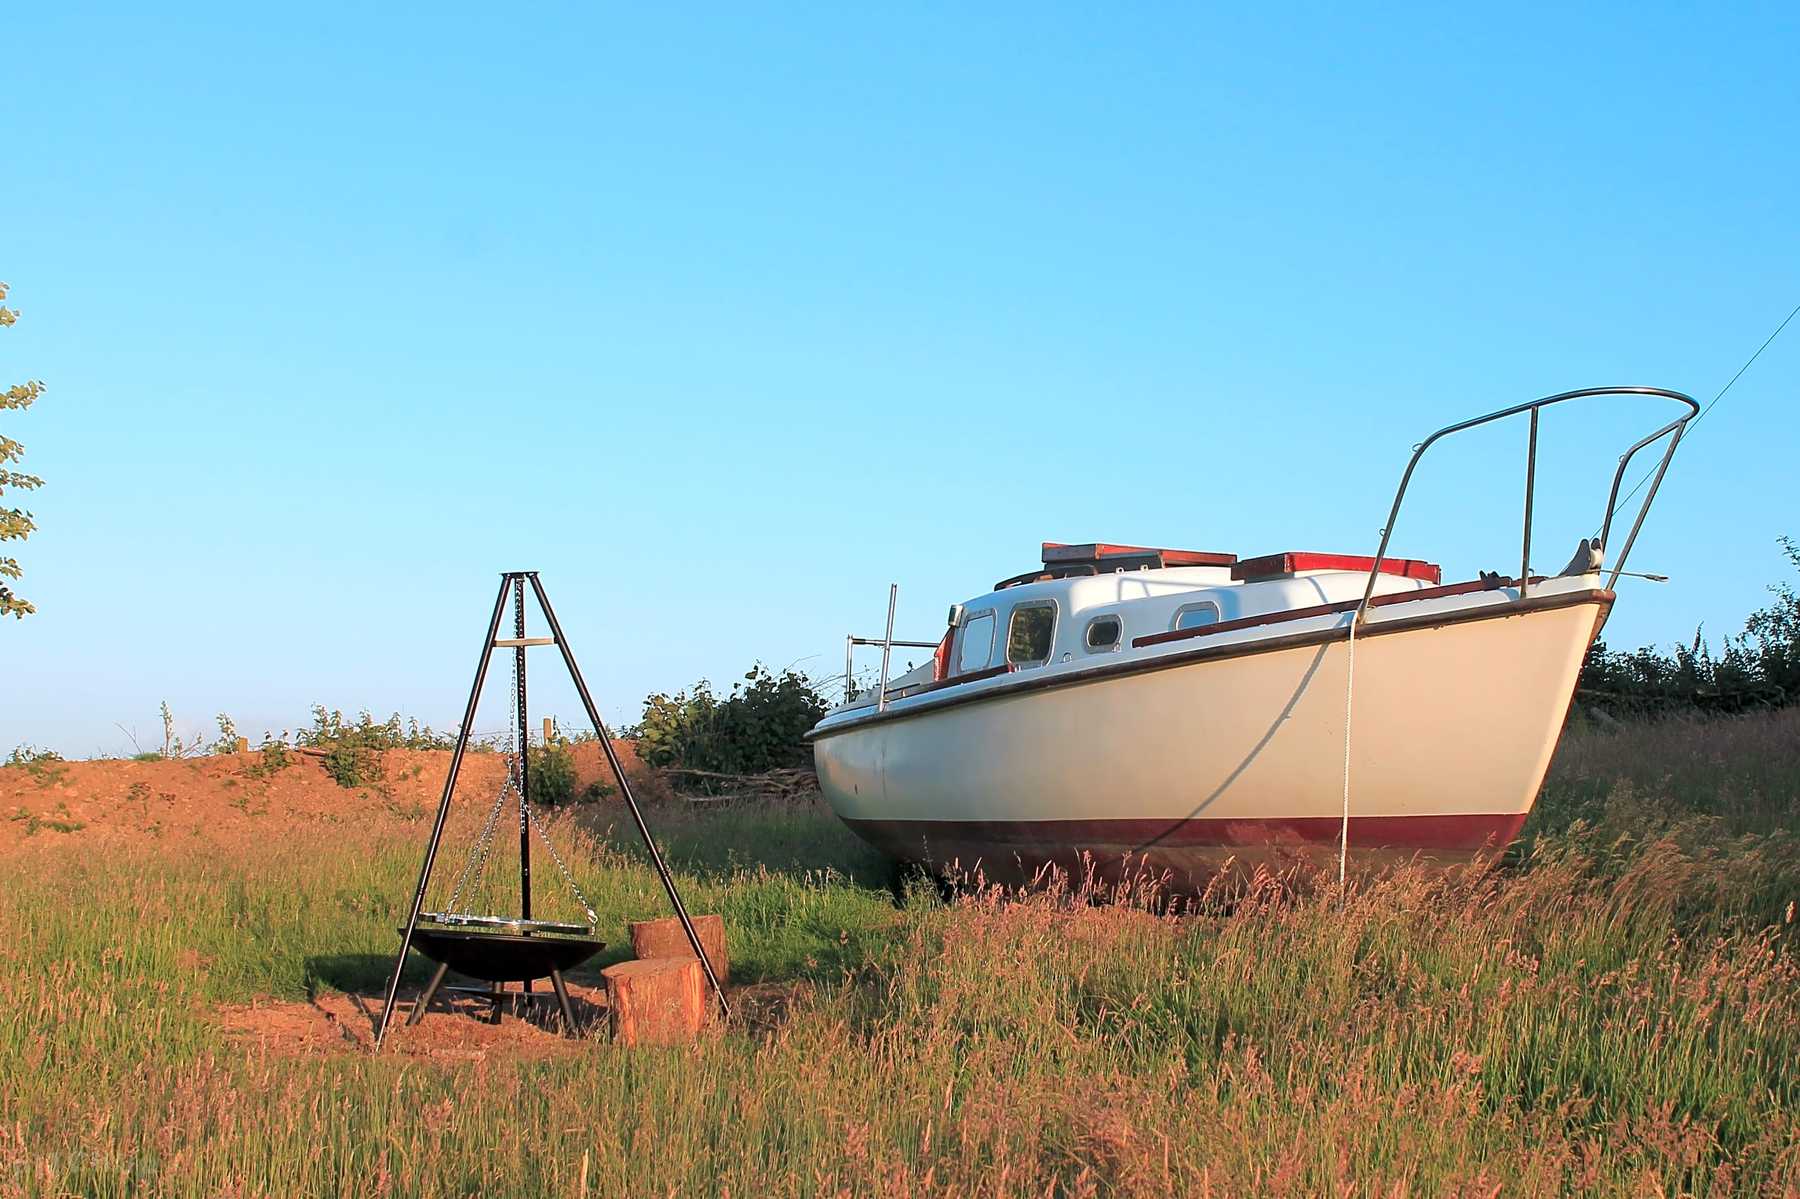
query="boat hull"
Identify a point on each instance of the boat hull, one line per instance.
(1231, 759)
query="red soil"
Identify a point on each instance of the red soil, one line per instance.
(227, 799)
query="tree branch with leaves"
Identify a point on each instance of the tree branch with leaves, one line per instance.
(15, 523)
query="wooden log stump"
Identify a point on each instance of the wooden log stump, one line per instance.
(666, 938)
(657, 1001)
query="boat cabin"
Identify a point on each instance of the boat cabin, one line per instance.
(1088, 601)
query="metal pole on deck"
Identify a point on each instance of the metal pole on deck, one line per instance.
(887, 647)
(1530, 486)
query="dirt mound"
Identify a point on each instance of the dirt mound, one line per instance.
(228, 798)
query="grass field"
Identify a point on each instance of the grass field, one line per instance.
(1615, 1012)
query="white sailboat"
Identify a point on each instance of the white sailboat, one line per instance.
(1126, 708)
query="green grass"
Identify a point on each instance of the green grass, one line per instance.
(1619, 1014)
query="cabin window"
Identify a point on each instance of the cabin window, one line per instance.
(975, 644)
(1029, 636)
(1102, 634)
(1194, 616)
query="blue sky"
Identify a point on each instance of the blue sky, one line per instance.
(725, 318)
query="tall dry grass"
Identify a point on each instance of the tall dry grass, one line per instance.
(1616, 1013)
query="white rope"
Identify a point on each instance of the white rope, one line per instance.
(1349, 695)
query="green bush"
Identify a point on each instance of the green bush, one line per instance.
(331, 728)
(228, 736)
(1771, 639)
(552, 778)
(757, 727)
(29, 756)
(1758, 668)
(45, 766)
(274, 759)
(353, 765)
(353, 747)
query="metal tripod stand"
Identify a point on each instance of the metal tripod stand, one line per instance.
(515, 581)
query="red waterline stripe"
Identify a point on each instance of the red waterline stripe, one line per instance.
(1466, 832)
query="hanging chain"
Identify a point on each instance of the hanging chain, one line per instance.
(562, 866)
(476, 866)
(522, 762)
(507, 750)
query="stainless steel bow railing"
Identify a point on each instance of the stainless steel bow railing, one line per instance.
(1672, 431)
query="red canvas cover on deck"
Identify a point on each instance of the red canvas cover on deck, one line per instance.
(1272, 566)
(1057, 553)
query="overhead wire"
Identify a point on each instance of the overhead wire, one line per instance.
(1695, 423)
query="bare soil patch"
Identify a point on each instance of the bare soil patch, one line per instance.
(230, 800)
(455, 1029)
